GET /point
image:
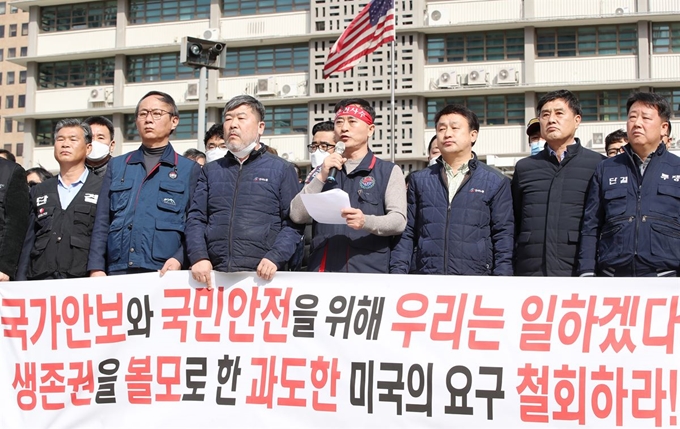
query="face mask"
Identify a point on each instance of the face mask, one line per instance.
(245, 151)
(536, 147)
(318, 157)
(215, 154)
(99, 151)
(433, 161)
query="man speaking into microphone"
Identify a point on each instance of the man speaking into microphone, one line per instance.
(377, 194)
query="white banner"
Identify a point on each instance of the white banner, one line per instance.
(311, 350)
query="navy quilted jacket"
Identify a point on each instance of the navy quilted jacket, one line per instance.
(239, 213)
(473, 235)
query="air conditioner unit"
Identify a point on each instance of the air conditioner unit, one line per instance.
(622, 10)
(477, 78)
(288, 90)
(211, 34)
(437, 17)
(265, 87)
(192, 91)
(508, 76)
(447, 80)
(288, 156)
(97, 95)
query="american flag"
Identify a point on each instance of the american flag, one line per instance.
(371, 28)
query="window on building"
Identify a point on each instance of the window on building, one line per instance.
(13, 9)
(21, 101)
(158, 67)
(0, 78)
(602, 106)
(20, 146)
(586, 41)
(9, 102)
(253, 7)
(666, 37)
(268, 60)
(10, 78)
(2, 31)
(20, 127)
(491, 109)
(673, 97)
(45, 130)
(24, 29)
(22, 76)
(481, 46)
(24, 51)
(2, 56)
(8, 125)
(11, 52)
(186, 130)
(286, 120)
(78, 16)
(150, 11)
(8, 147)
(12, 30)
(65, 74)
(3, 7)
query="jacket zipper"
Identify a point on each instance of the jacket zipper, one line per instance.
(231, 220)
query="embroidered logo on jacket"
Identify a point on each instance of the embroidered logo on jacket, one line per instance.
(479, 191)
(367, 182)
(91, 198)
(41, 201)
(261, 179)
(169, 201)
(41, 212)
(665, 176)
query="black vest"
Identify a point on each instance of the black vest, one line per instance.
(339, 248)
(62, 237)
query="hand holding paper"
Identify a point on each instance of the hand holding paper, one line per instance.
(326, 206)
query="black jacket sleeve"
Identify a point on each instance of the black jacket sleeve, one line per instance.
(15, 208)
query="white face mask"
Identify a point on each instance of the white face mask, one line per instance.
(99, 151)
(215, 154)
(245, 151)
(317, 157)
(537, 147)
(433, 161)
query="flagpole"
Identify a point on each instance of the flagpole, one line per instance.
(392, 112)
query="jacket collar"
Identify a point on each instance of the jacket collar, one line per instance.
(167, 157)
(255, 153)
(366, 164)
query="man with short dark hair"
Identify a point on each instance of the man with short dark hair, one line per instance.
(475, 237)
(145, 198)
(377, 194)
(631, 225)
(549, 191)
(238, 219)
(62, 210)
(103, 144)
(322, 145)
(432, 151)
(215, 146)
(14, 206)
(614, 143)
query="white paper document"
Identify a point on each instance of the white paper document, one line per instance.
(326, 206)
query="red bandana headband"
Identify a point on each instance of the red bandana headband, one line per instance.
(357, 112)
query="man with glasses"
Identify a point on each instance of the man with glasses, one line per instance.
(145, 197)
(322, 145)
(614, 143)
(215, 146)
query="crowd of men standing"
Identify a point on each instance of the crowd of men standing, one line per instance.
(567, 211)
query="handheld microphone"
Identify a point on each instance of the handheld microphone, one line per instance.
(339, 149)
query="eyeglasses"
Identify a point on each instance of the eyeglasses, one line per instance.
(614, 152)
(156, 114)
(323, 146)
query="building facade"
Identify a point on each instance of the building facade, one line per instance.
(13, 45)
(495, 56)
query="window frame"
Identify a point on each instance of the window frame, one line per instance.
(513, 108)
(465, 47)
(78, 16)
(235, 8)
(266, 60)
(158, 68)
(157, 11)
(585, 41)
(93, 72)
